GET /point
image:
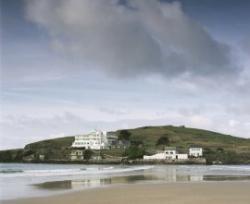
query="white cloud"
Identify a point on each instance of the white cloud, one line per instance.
(20, 129)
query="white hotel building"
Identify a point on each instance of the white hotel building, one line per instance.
(95, 140)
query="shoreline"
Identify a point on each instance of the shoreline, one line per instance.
(124, 162)
(223, 192)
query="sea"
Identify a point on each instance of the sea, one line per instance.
(18, 180)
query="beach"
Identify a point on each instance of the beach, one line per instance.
(118, 184)
(172, 193)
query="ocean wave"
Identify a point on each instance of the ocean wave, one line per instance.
(77, 171)
(236, 168)
(11, 171)
(231, 168)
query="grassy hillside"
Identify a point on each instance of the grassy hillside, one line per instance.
(217, 147)
(183, 138)
(13, 155)
(57, 148)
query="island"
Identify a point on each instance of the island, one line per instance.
(172, 144)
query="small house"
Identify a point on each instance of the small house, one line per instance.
(195, 152)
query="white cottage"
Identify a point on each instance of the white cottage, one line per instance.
(195, 152)
(169, 154)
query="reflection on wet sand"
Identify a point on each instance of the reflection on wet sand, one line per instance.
(225, 178)
(156, 176)
(93, 182)
(90, 183)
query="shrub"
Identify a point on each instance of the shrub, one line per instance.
(163, 141)
(134, 152)
(124, 135)
(88, 154)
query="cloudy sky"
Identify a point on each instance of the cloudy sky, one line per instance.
(71, 66)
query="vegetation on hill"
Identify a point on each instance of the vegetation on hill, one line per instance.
(53, 149)
(218, 148)
(124, 135)
(14, 155)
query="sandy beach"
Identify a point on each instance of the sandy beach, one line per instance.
(171, 193)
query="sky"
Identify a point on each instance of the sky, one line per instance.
(71, 66)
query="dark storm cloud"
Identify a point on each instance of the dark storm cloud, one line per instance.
(129, 38)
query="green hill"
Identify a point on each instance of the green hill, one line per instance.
(183, 138)
(217, 147)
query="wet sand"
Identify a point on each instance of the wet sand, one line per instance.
(171, 193)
